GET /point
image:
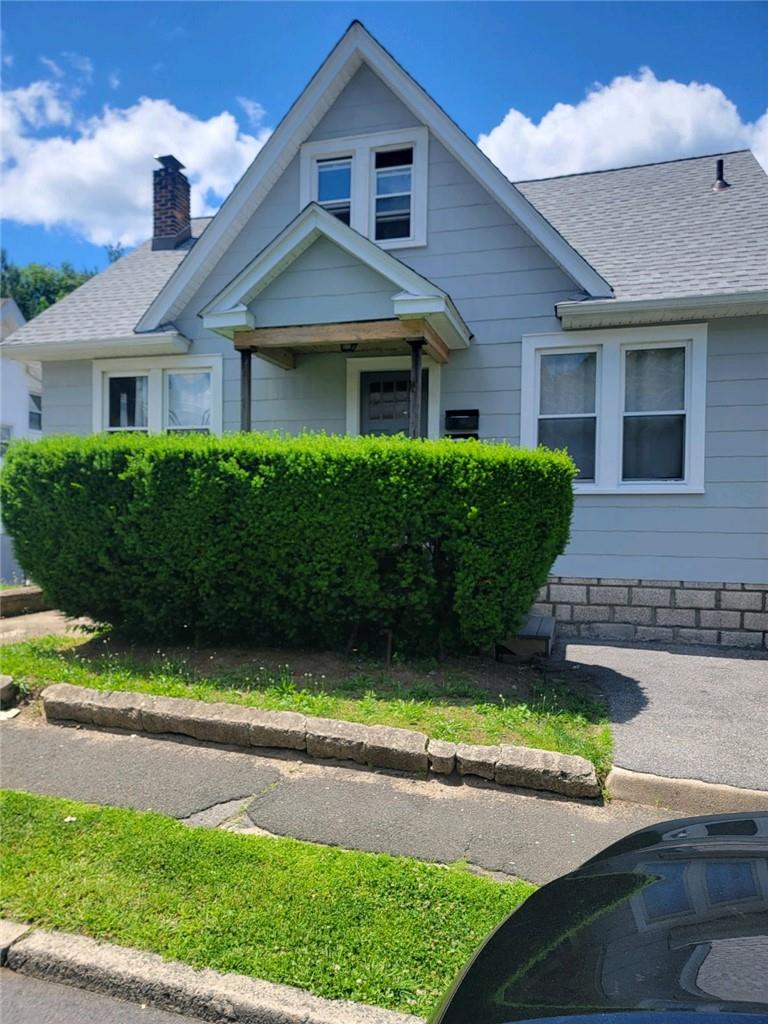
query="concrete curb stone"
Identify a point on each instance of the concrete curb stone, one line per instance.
(10, 932)
(689, 795)
(121, 711)
(164, 714)
(208, 995)
(545, 769)
(327, 737)
(399, 749)
(442, 757)
(375, 745)
(476, 759)
(8, 691)
(66, 703)
(278, 729)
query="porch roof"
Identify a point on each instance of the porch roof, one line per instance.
(419, 307)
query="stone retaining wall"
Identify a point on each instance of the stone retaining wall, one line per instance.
(379, 746)
(729, 614)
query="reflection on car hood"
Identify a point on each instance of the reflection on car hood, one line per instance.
(671, 918)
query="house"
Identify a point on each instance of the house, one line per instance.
(21, 413)
(373, 271)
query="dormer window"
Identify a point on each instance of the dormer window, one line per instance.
(334, 187)
(375, 183)
(394, 181)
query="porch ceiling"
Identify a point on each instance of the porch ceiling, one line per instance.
(282, 345)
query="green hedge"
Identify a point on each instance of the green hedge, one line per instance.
(311, 540)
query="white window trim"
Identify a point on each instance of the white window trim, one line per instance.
(362, 149)
(154, 368)
(609, 402)
(356, 366)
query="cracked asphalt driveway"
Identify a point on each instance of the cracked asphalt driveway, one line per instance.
(531, 836)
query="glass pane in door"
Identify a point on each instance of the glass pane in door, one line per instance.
(385, 402)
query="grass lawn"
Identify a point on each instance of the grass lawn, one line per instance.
(385, 930)
(470, 700)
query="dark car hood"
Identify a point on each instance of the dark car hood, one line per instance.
(671, 918)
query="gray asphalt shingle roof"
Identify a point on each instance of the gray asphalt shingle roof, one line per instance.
(651, 231)
(659, 230)
(110, 304)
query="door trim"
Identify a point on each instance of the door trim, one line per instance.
(356, 366)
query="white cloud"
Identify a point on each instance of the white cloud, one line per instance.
(114, 80)
(253, 110)
(634, 119)
(95, 178)
(82, 65)
(54, 68)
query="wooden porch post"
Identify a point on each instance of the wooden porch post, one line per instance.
(414, 419)
(245, 389)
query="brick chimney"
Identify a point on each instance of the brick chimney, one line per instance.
(170, 204)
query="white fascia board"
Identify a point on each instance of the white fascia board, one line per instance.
(228, 321)
(354, 48)
(605, 313)
(164, 344)
(312, 223)
(306, 112)
(448, 133)
(439, 311)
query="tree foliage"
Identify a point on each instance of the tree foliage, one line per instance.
(36, 286)
(312, 540)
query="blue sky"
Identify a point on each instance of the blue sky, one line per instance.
(217, 77)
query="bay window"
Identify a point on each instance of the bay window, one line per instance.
(157, 394)
(627, 404)
(376, 183)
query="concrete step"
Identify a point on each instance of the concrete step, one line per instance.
(534, 639)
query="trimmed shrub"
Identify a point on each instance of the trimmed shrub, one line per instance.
(312, 540)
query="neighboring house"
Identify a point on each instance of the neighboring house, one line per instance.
(373, 271)
(20, 416)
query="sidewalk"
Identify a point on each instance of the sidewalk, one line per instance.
(685, 712)
(534, 837)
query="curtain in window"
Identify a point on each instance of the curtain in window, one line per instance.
(189, 401)
(567, 409)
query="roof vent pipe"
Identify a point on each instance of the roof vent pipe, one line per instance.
(720, 183)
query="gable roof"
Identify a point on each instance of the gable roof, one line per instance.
(415, 296)
(355, 47)
(107, 305)
(659, 231)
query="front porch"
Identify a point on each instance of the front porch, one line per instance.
(321, 288)
(375, 339)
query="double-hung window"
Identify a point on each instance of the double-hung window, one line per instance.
(393, 191)
(653, 427)
(35, 413)
(127, 401)
(628, 405)
(174, 394)
(188, 401)
(376, 183)
(334, 187)
(567, 415)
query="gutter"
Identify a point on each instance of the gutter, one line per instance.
(164, 343)
(620, 312)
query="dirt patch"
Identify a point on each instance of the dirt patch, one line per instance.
(480, 674)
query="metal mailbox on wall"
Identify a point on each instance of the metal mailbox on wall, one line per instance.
(462, 424)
